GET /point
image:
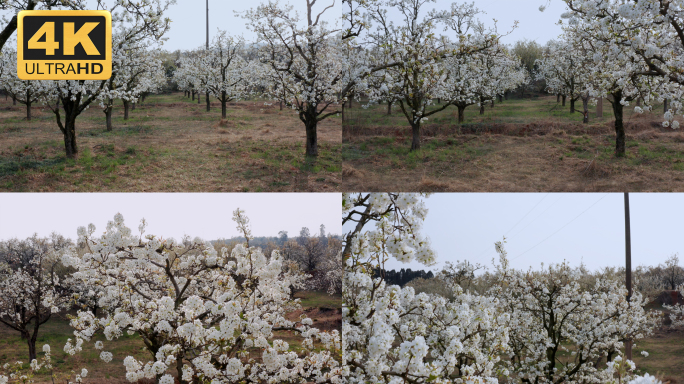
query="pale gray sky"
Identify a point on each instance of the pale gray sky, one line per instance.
(188, 30)
(464, 226)
(533, 24)
(207, 215)
(189, 18)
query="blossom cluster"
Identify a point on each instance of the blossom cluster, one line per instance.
(202, 313)
(537, 326)
(635, 44)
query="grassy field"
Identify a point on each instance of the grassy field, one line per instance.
(169, 143)
(665, 349)
(323, 309)
(519, 145)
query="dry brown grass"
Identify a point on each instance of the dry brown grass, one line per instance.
(169, 144)
(349, 172)
(665, 348)
(520, 145)
(223, 123)
(431, 185)
(595, 170)
(531, 157)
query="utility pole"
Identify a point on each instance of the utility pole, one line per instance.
(628, 268)
(207, 92)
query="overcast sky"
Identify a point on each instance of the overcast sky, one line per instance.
(532, 24)
(206, 215)
(188, 29)
(189, 18)
(465, 226)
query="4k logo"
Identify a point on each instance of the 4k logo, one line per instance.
(64, 45)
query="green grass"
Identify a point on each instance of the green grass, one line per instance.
(315, 299)
(100, 166)
(126, 130)
(55, 333)
(537, 109)
(513, 110)
(396, 152)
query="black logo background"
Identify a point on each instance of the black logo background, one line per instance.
(32, 24)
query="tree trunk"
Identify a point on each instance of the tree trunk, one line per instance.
(461, 113)
(281, 105)
(415, 130)
(14, 100)
(199, 98)
(125, 103)
(500, 99)
(311, 138)
(28, 110)
(585, 107)
(108, 117)
(572, 105)
(31, 341)
(619, 126)
(70, 137)
(208, 102)
(563, 98)
(133, 106)
(389, 108)
(223, 105)
(665, 106)
(193, 95)
(68, 128)
(482, 108)
(558, 98)
(311, 123)
(492, 103)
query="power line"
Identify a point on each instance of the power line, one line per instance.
(561, 228)
(488, 249)
(528, 212)
(538, 216)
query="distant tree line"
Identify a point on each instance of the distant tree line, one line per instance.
(403, 276)
(283, 237)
